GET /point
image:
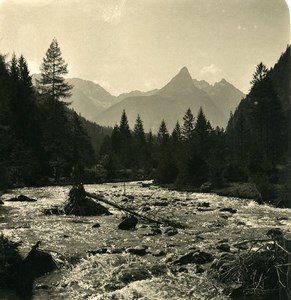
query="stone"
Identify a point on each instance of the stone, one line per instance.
(224, 247)
(25, 199)
(160, 203)
(229, 209)
(132, 274)
(170, 231)
(138, 250)
(146, 208)
(97, 225)
(128, 223)
(203, 204)
(22, 198)
(197, 257)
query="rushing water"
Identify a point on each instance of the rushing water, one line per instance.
(103, 276)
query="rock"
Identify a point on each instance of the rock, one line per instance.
(223, 247)
(203, 204)
(146, 208)
(22, 198)
(25, 199)
(170, 231)
(39, 263)
(116, 250)
(158, 270)
(229, 209)
(197, 257)
(145, 185)
(156, 231)
(97, 225)
(101, 250)
(138, 250)
(199, 269)
(128, 223)
(54, 211)
(183, 269)
(160, 203)
(132, 274)
(42, 287)
(240, 190)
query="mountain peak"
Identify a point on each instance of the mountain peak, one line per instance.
(181, 84)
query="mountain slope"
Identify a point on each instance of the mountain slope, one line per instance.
(169, 103)
(89, 98)
(224, 94)
(281, 77)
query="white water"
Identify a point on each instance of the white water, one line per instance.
(98, 276)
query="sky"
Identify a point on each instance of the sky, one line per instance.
(129, 45)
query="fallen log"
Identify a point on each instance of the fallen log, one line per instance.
(102, 199)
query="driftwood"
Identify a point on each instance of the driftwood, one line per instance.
(102, 199)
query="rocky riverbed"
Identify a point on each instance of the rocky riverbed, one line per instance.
(98, 261)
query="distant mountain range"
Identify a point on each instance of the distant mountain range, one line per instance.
(169, 103)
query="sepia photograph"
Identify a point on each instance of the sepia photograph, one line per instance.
(145, 149)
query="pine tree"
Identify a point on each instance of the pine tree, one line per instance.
(201, 132)
(125, 144)
(188, 125)
(166, 171)
(139, 144)
(163, 135)
(138, 132)
(52, 83)
(260, 73)
(123, 126)
(176, 135)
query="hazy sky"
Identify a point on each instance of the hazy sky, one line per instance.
(140, 44)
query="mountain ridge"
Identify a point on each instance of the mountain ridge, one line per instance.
(169, 103)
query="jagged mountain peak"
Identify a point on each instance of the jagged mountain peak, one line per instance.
(180, 84)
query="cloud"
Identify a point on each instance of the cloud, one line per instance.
(210, 70)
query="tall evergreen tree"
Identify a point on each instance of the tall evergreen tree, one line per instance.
(53, 69)
(163, 135)
(188, 125)
(138, 133)
(201, 131)
(125, 141)
(176, 136)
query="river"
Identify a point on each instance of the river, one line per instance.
(83, 275)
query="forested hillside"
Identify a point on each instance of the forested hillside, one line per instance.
(42, 140)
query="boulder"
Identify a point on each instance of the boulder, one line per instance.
(170, 231)
(224, 247)
(133, 273)
(197, 257)
(22, 198)
(97, 225)
(128, 223)
(138, 250)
